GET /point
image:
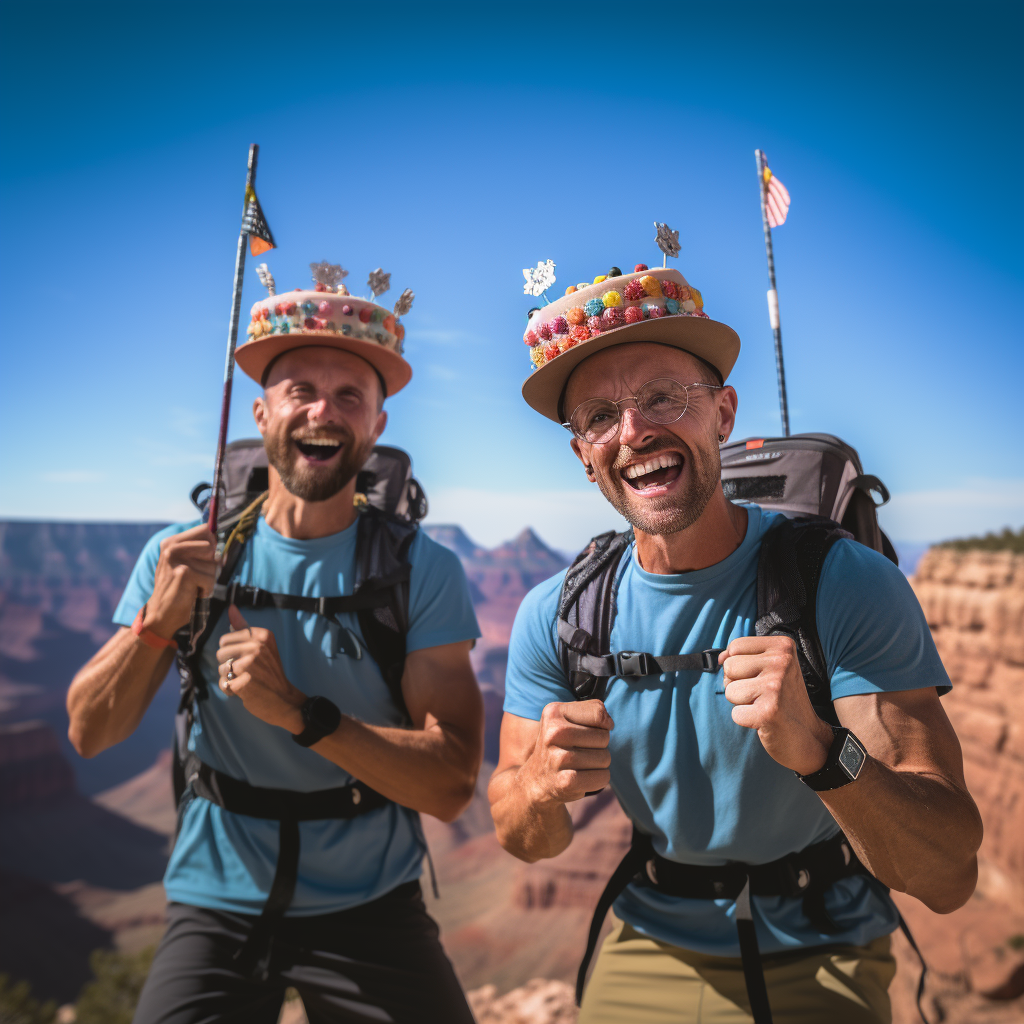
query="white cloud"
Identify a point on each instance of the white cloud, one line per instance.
(977, 507)
(563, 519)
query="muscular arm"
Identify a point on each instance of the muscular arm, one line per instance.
(431, 767)
(543, 766)
(110, 693)
(908, 815)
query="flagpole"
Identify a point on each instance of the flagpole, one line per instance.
(229, 361)
(773, 295)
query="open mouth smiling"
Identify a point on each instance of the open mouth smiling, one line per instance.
(657, 471)
(317, 449)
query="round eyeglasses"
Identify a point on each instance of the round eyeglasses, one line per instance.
(661, 401)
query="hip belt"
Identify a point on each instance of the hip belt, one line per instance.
(288, 807)
(807, 874)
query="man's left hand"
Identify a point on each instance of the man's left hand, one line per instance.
(764, 682)
(249, 654)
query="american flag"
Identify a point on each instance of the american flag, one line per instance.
(776, 199)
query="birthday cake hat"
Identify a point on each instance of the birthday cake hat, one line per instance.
(647, 305)
(328, 315)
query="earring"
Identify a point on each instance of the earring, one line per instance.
(721, 438)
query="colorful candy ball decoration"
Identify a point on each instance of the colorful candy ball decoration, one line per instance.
(614, 308)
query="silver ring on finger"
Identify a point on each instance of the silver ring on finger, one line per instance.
(230, 674)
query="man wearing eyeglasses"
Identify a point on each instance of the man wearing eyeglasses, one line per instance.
(720, 768)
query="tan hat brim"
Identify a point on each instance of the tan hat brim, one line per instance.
(255, 356)
(709, 339)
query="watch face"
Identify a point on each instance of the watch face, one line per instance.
(852, 757)
(321, 713)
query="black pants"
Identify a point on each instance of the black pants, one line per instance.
(379, 962)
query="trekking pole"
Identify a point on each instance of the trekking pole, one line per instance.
(229, 361)
(773, 294)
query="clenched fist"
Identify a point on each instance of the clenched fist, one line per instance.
(570, 758)
(186, 570)
(764, 682)
(250, 668)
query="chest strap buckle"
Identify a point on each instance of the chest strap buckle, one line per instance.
(634, 663)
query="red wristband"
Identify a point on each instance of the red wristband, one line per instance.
(147, 636)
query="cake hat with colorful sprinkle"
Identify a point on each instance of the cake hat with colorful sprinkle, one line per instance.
(615, 309)
(327, 315)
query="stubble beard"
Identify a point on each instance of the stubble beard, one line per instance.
(671, 512)
(316, 483)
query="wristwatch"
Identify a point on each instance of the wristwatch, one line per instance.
(843, 765)
(320, 718)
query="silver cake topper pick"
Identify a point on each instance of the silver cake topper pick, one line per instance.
(539, 278)
(329, 275)
(379, 282)
(668, 241)
(266, 278)
(404, 303)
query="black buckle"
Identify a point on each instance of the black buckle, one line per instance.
(709, 660)
(633, 663)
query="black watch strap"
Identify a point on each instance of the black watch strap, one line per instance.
(320, 717)
(843, 765)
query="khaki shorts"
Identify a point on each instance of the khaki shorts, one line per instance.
(638, 980)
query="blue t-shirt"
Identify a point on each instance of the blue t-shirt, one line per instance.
(226, 861)
(703, 787)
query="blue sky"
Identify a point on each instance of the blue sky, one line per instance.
(456, 144)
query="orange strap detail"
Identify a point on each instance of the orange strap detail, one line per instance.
(147, 636)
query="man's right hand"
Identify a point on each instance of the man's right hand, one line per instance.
(571, 757)
(187, 569)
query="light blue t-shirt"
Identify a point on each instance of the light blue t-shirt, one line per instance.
(226, 861)
(703, 787)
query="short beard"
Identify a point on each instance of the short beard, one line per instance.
(671, 513)
(316, 483)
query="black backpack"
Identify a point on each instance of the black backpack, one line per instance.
(817, 481)
(391, 503)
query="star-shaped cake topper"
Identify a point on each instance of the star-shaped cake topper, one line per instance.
(404, 303)
(266, 278)
(539, 278)
(330, 275)
(379, 282)
(667, 239)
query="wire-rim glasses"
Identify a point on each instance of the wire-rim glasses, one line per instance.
(660, 401)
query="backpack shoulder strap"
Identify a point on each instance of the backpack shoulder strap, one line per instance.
(788, 572)
(383, 541)
(586, 612)
(193, 637)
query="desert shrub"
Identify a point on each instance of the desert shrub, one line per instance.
(1008, 540)
(18, 1006)
(113, 994)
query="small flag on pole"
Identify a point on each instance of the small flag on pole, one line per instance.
(255, 225)
(776, 199)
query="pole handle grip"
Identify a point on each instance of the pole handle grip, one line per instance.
(773, 309)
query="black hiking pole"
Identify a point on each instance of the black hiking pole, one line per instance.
(773, 295)
(256, 230)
